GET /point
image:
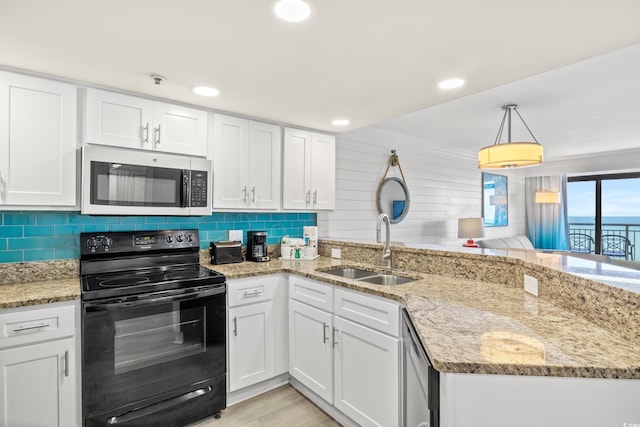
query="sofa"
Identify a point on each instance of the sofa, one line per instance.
(514, 242)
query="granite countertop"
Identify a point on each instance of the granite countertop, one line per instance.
(472, 326)
(466, 325)
(48, 291)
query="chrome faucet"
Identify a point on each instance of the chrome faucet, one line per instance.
(386, 253)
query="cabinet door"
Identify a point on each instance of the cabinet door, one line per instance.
(118, 120)
(179, 129)
(310, 348)
(366, 374)
(39, 385)
(264, 172)
(230, 177)
(37, 141)
(296, 193)
(251, 344)
(323, 171)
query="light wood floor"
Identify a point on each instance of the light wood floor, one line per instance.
(282, 407)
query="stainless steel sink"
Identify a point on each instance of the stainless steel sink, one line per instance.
(350, 273)
(368, 276)
(386, 279)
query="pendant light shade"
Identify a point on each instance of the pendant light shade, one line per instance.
(510, 154)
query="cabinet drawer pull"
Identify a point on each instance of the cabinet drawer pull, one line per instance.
(315, 197)
(29, 328)
(66, 363)
(307, 198)
(253, 195)
(244, 191)
(324, 333)
(157, 130)
(335, 339)
(252, 293)
(235, 326)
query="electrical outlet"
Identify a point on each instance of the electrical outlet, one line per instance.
(336, 253)
(531, 285)
(235, 235)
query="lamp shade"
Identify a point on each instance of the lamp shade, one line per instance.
(510, 155)
(546, 196)
(470, 227)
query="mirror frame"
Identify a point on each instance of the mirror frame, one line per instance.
(407, 197)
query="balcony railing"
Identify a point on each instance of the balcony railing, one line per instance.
(630, 231)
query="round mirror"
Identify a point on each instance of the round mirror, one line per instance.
(393, 199)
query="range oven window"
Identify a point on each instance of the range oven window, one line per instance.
(134, 185)
(157, 338)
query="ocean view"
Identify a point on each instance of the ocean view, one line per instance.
(605, 220)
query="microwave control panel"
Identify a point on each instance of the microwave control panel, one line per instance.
(199, 189)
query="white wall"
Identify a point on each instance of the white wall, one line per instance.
(443, 185)
(611, 162)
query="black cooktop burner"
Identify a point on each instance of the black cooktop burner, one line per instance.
(123, 281)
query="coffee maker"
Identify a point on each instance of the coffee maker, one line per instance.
(257, 246)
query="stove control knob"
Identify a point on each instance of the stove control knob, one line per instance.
(92, 243)
(106, 242)
(169, 239)
(189, 237)
(179, 238)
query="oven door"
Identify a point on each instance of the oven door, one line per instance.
(158, 359)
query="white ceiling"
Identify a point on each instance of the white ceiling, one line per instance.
(365, 60)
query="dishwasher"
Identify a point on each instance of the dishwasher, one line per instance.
(421, 391)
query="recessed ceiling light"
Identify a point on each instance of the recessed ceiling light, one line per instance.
(340, 122)
(206, 91)
(292, 10)
(451, 84)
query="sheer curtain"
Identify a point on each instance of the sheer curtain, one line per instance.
(547, 223)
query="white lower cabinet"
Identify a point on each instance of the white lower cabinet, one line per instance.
(311, 348)
(38, 367)
(257, 331)
(349, 362)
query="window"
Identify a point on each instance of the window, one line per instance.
(604, 214)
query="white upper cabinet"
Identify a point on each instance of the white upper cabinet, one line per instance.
(246, 164)
(37, 141)
(131, 122)
(309, 173)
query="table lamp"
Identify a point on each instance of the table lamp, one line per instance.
(470, 228)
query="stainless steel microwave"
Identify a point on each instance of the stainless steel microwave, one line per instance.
(118, 181)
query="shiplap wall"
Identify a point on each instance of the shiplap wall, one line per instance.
(443, 185)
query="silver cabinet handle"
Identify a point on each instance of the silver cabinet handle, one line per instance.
(144, 133)
(253, 195)
(315, 197)
(157, 131)
(66, 363)
(235, 326)
(307, 198)
(335, 339)
(28, 328)
(251, 294)
(244, 191)
(324, 333)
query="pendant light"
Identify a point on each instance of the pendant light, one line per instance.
(510, 154)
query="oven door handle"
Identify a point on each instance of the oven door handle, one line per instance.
(155, 298)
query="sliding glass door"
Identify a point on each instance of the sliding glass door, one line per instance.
(604, 214)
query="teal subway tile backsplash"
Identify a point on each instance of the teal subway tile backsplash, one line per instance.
(40, 235)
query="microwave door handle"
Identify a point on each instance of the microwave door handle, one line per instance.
(185, 194)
